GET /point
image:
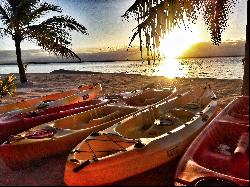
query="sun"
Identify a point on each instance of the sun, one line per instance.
(177, 41)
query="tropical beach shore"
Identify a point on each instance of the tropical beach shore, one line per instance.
(49, 171)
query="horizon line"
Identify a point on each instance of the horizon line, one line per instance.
(113, 48)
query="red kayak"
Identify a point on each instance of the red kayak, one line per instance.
(219, 155)
(24, 121)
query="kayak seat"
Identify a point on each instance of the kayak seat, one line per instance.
(217, 152)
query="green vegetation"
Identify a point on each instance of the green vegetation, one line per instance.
(7, 85)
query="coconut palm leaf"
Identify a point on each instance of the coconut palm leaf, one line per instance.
(4, 15)
(53, 36)
(157, 17)
(40, 11)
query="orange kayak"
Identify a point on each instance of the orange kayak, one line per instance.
(145, 140)
(42, 102)
(219, 156)
(64, 134)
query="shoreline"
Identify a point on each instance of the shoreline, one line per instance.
(111, 60)
(49, 171)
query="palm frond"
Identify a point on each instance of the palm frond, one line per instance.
(2, 32)
(53, 36)
(65, 22)
(4, 15)
(20, 11)
(22, 7)
(41, 10)
(157, 17)
(216, 16)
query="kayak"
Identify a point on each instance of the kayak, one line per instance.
(150, 138)
(11, 125)
(219, 156)
(64, 134)
(88, 93)
(44, 99)
(14, 122)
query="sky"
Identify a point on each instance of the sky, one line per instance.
(107, 30)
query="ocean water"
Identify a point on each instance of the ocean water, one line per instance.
(216, 67)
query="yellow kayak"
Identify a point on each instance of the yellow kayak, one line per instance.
(150, 138)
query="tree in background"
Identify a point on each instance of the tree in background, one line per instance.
(157, 17)
(20, 20)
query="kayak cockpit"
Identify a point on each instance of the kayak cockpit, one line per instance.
(218, 151)
(149, 97)
(150, 124)
(93, 117)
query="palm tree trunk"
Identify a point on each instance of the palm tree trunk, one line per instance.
(22, 74)
(245, 85)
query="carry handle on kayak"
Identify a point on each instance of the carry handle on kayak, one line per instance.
(81, 166)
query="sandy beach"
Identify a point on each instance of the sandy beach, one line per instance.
(49, 171)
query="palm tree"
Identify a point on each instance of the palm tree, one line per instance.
(21, 21)
(157, 17)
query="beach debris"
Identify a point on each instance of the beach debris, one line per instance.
(224, 149)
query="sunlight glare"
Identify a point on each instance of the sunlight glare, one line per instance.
(171, 68)
(177, 41)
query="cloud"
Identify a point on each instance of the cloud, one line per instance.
(207, 49)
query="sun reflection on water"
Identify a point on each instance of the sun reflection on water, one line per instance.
(172, 68)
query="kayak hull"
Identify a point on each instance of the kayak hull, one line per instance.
(211, 158)
(31, 102)
(19, 123)
(18, 152)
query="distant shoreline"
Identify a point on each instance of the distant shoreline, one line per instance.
(68, 62)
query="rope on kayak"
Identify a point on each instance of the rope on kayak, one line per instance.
(95, 157)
